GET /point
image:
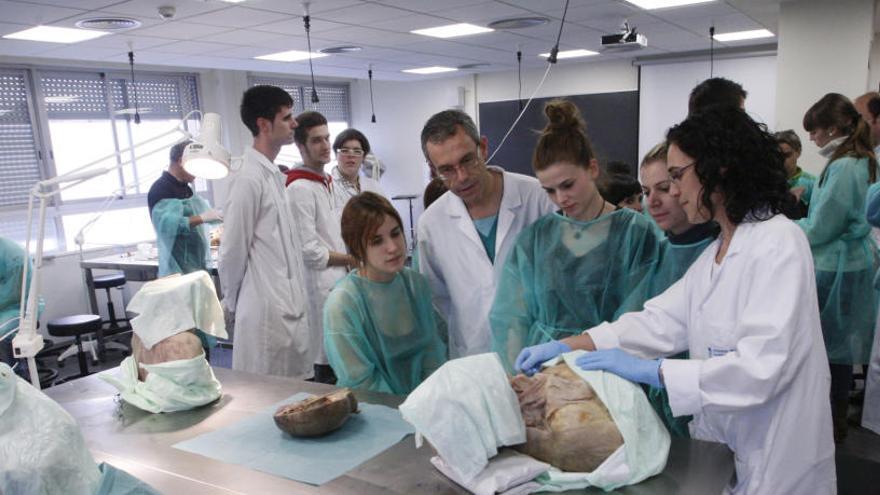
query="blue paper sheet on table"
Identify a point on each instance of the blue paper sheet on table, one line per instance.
(257, 443)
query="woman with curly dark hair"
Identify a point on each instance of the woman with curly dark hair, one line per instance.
(845, 256)
(757, 378)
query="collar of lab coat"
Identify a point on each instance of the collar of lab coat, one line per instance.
(262, 160)
(511, 199)
(740, 239)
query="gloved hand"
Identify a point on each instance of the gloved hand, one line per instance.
(211, 216)
(530, 359)
(624, 365)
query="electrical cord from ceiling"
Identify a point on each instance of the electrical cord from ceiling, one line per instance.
(712, 51)
(372, 107)
(521, 113)
(307, 23)
(137, 115)
(519, 77)
(555, 50)
(550, 61)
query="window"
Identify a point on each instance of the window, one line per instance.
(87, 118)
(334, 104)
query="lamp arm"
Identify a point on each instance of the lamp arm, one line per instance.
(77, 174)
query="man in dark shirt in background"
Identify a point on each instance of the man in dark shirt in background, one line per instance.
(180, 218)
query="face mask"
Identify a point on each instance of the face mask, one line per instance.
(831, 146)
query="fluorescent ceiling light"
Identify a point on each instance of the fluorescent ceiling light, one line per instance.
(570, 54)
(452, 30)
(744, 35)
(429, 70)
(662, 4)
(290, 56)
(54, 34)
(232, 1)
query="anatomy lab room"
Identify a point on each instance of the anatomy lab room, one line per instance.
(439, 247)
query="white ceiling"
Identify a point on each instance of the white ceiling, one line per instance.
(220, 35)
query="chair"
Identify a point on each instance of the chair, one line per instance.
(108, 282)
(76, 326)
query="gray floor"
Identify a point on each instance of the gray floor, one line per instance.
(858, 457)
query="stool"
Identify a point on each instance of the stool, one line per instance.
(76, 326)
(108, 282)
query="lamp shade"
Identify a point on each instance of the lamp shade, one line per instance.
(205, 157)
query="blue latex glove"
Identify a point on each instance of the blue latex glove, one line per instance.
(530, 359)
(624, 365)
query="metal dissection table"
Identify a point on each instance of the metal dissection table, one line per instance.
(141, 443)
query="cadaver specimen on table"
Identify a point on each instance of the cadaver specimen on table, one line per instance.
(567, 425)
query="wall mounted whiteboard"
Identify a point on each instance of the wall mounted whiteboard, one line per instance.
(664, 91)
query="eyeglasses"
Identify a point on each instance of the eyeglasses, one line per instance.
(351, 151)
(448, 172)
(677, 173)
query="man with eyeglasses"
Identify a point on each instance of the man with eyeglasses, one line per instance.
(310, 193)
(464, 237)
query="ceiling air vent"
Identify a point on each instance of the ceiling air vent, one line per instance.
(108, 23)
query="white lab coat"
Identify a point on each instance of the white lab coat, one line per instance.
(342, 192)
(261, 273)
(757, 378)
(452, 257)
(871, 407)
(319, 228)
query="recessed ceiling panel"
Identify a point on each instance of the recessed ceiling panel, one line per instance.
(31, 15)
(180, 30)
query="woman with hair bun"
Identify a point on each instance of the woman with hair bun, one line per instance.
(587, 263)
(845, 256)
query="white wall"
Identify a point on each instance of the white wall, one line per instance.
(565, 78)
(663, 100)
(823, 47)
(401, 111)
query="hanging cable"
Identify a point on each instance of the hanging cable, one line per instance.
(525, 107)
(137, 115)
(519, 76)
(555, 50)
(372, 107)
(711, 51)
(307, 22)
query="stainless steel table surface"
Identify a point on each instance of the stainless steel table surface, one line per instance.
(141, 443)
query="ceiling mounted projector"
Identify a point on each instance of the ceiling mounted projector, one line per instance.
(626, 39)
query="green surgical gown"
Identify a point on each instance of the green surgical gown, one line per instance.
(805, 180)
(563, 276)
(845, 259)
(182, 249)
(12, 260)
(380, 336)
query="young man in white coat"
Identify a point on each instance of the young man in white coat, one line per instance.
(261, 265)
(310, 193)
(465, 236)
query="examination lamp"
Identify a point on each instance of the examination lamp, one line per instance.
(205, 158)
